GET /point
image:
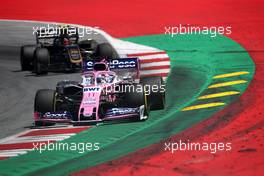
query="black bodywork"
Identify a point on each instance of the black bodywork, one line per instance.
(56, 49)
(69, 97)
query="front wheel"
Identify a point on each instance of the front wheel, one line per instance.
(45, 101)
(135, 97)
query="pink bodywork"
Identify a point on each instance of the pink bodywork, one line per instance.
(92, 95)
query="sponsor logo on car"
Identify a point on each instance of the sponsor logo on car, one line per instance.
(89, 63)
(121, 111)
(90, 101)
(57, 115)
(120, 63)
(123, 63)
(91, 89)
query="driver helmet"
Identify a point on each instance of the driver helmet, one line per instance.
(66, 41)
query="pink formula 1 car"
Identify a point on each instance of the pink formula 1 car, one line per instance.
(109, 90)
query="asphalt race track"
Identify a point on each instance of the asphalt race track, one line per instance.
(18, 88)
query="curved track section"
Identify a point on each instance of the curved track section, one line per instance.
(241, 123)
(193, 72)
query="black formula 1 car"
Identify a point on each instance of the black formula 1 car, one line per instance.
(59, 49)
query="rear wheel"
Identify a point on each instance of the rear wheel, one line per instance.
(26, 57)
(155, 90)
(45, 101)
(41, 61)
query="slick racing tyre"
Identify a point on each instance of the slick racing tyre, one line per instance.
(41, 61)
(136, 98)
(104, 51)
(45, 101)
(26, 57)
(155, 90)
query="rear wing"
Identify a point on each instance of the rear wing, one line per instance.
(56, 32)
(125, 67)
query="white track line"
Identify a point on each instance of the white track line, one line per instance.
(9, 138)
(14, 152)
(54, 137)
